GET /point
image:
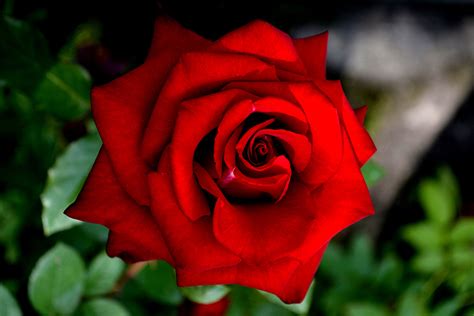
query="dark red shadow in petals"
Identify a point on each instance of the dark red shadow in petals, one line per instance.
(236, 184)
(134, 235)
(259, 232)
(279, 90)
(261, 39)
(282, 110)
(326, 138)
(170, 35)
(296, 146)
(192, 244)
(360, 139)
(312, 51)
(197, 118)
(195, 75)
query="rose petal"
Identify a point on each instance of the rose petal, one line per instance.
(296, 146)
(192, 244)
(134, 235)
(197, 118)
(195, 75)
(312, 51)
(342, 201)
(326, 136)
(361, 113)
(286, 278)
(275, 166)
(284, 111)
(122, 107)
(261, 39)
(260, 232)
(170, 35)
(236, 184)
(360, 139)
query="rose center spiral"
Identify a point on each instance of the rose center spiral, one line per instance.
(260, 150)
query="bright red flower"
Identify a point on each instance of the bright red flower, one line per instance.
(235, 161)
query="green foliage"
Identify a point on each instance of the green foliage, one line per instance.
(205, 294)
(364, 309)
(64, 91)
(57, 281)
(24, 57)
(101, 307)
(440, 197)
(12, 209)
(42, 97)
(372, 173)
(8, 305)
(299, 309)
(65, 180)
(158, 280)
(249, 302)
(102, 275)
(354, 269)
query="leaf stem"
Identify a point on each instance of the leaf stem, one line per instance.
(131, 271)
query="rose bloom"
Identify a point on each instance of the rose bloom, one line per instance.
(235, 161)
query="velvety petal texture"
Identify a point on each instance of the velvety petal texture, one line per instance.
(236, 161)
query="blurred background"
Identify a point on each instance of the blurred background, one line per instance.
(412, 62)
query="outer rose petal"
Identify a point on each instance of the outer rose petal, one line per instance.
(134, 235)
(192, 244)
(195, 75)
(263, 40)
(262, 232)
(312, 51)
(286, 278)
(122, 107)
(169, 35)
(361, 113)
(326, 132)
(340, 202)
(360, 139)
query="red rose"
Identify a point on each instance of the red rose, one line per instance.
(235, 161)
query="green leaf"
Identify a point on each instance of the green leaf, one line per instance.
(372, 173)
(463, 231)
(429, 261)
(447, 308)
(102, 307)
(300, 309)
(411, 305)
(12, 211)
(439, 198)
(102, 275)
(206, 294)
(424, 236)
(56, 283)
(365, 309)
(361, 256)
(8, 305)
(65, 180)
(64, 91)
(85, 34)
(158, 280)
(248, 302)
(462, 256)
(24, 57)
